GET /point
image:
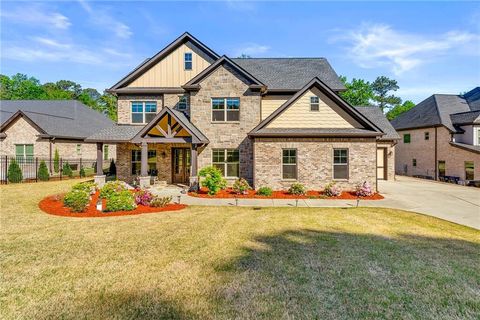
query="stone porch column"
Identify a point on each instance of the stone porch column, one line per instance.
(99, 178)
(194, 185)
(144, 179)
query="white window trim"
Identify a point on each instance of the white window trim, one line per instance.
(143, 102)
(314, 104)
(225, 163)
(340, 164)
(290, 164)
(185, 61)
(224, 110)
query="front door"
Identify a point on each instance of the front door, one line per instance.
(180, 165)
(381, 163)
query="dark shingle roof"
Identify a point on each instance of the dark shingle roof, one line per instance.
(465, 117)
(473, 98)
(290, 73)
(116, 133)
(58, 118)
(465, 146)
(376, 115)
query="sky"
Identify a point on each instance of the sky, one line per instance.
(428, 47)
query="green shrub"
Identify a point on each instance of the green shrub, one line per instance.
(160, 201)
(241, 186)
(56, 161)
(213, 179)
(14, 172)
(43, 174)
(67, 170)
(82, 172)
(332, 190)
(88, 186)
(265, 191)
(77, 200)
(121, 201)
(297, 189)
(112, 170)
(110, 188)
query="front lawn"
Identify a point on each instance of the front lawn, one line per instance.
(217, 262)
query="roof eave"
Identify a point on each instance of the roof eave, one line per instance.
(313, 134)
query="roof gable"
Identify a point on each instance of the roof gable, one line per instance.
(19, 114)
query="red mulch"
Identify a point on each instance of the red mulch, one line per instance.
(229, 193)
(54, 205)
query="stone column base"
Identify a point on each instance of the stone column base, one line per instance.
(194, 185)
(100, 180)
(144, 182)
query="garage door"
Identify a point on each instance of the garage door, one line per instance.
(381, 163)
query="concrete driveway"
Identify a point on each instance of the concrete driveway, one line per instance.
(451, 202)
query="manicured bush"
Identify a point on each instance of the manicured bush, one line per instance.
(213, 179)
(43, 174)
(332, 190)
(88, 186)
(82, 172)
(112, 170)
(77, 200)
(364, 189)
(14, 172)
(143, 197)
(241, 186)
(265, 191)
(297, 189)
(56, 161)
(111, 188)
(67, 170)
(160, 201)
(121, 201)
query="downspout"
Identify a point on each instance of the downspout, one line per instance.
(436, 156)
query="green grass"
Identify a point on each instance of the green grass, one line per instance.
(205, 262)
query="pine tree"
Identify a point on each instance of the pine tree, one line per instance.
(43, 174)
(56, 161)
(67, 170)
(14, 172)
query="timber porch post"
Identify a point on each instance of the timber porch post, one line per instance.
(100, 178)
(144, 179)
(194, 186)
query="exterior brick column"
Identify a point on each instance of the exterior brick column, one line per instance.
(144, 179)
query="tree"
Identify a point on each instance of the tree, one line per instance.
(43, 174)
(381, 88)
(70, 86)
(359, 92)
(56, 161)
(399, 109)
(244, 56)
(67, 170)
(14, 172)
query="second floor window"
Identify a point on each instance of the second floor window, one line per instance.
(427, 135)
(406, 138)
(79, 149)
(188, 61)
(225, 109)
(182, 103)
(314, 104)
(143, 111)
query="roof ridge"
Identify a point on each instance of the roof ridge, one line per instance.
(280, 58)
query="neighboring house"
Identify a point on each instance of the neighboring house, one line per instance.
(272, 121)
(441, 137)
(35, 128)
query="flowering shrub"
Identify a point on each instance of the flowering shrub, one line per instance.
(88, 186)
(111, 188)
(143, 197)
(332, 190)
(160, 201)
(121, 201)
(241, 186)
(265, 191)
(213, 179)
(76, 200)
(364, 189)
(297, 189)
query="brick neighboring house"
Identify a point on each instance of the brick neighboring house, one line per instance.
(441, 137)
(272, 121)
(35, 128)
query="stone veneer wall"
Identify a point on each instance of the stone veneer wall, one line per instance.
(224, 82)
(390, 145)
(314, 161)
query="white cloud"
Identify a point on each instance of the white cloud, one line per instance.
(36, 15)
(251, 49)
(379, 45)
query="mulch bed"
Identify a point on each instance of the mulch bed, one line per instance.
(229, 193)
(54, 205)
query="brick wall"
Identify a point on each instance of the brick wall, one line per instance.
(314, 161)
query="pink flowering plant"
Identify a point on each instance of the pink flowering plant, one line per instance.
(332, 190)
(364, 189)
(143, 197)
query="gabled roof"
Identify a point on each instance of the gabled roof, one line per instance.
(315, 82)
(463, 118)
(290, 74)
(193, 83)
(148, 63)
(376, 115)
(473, 98)
(67, 119)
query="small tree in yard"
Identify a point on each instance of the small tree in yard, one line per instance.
(43, 174)
(14, 172)
(213, 179)
(82, 172)
(67, 170)
(56, 161)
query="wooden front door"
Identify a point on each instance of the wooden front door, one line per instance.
(180, 165)
(381, 163)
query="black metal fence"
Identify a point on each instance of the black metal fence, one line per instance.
(58, 170)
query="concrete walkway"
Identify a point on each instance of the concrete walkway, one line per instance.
(450, 202)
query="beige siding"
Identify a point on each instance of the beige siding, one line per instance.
(298, 115)
(170, 72)
(271, 103)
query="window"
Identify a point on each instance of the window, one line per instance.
(188, 61)
(289, 164)
(225, 109)
(137, 162)
(182, 103)
(406, 138)
(441, 169)
(340, 164)
(143, 111)
(24, 151)
(427, 135)
(227, 160)
(414, 162)
(79, 149)
(469, 170)
(478, 137)
(105, 152)
(314, 103)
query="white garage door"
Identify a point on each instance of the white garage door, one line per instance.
(381, 163)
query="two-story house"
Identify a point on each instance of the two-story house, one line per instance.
(272, 121)
(441, 138)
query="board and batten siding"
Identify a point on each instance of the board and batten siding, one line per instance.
(271, 103)
(170, 71)
(299, 115)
